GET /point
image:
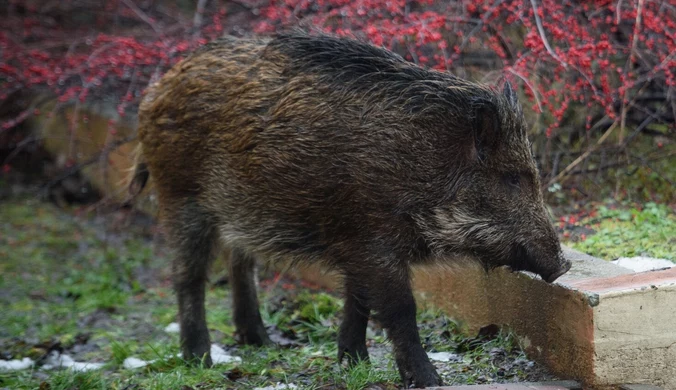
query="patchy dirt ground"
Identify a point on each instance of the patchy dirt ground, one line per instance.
(93, 286)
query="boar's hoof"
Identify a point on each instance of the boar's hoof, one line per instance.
(426, 377)
(199, 359)
(424, 381)
(353, 354)
(196, 347)
(253, 336)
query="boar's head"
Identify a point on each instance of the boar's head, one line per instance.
(497, 213)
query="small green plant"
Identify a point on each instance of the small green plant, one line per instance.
(363, 374)
(310, 316)
(67, 379)
(120, 350)
(631, 231)
(315, 308)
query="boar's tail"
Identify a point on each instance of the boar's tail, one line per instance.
(140, 175)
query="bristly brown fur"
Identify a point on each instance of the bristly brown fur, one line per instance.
(319, 148)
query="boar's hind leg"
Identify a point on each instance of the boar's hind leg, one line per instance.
(352, 335)
(247, 317)
(195, 241)
(394, 308)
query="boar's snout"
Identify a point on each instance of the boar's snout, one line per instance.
(563, 265)
(549, 264)
(553, 268)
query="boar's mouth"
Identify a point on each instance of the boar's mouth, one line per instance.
(551, 278)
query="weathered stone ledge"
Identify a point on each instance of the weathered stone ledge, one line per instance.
(600, 324)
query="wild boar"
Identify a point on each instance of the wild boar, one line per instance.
(329, 150)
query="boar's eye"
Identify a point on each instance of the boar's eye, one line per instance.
(513, 180)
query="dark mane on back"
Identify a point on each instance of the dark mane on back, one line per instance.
(381, 75)
(325, 53)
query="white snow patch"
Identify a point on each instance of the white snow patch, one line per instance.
(219, 356)
(131, 363)
(442, 356)
(278, 386)
(642, 264)
(172, 328)
(16, 365)
(57, 360)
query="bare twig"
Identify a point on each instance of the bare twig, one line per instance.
(551, 52)
(142, 15)
(623, 119)
(23, 115)
(541, 30)
(412, 52)
(645, 163)
(618, 12)
(593, 148)
(671, 93)
(584, 156)
(197, 18)
(525, 80)
(603, 167)
(19, 148)
(648, 120)
(480, 23)
(632, 53)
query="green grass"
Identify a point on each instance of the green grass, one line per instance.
(82, 286)
(260, 367)
(65, 272)
(628, 231)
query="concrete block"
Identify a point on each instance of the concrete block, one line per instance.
(555, 385)
(639, 387)
(601, 324)
(634, 334)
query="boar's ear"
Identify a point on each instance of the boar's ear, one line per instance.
(510, 94)
(486, 129)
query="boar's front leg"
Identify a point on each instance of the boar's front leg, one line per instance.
(352, 335)
(395, 309)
